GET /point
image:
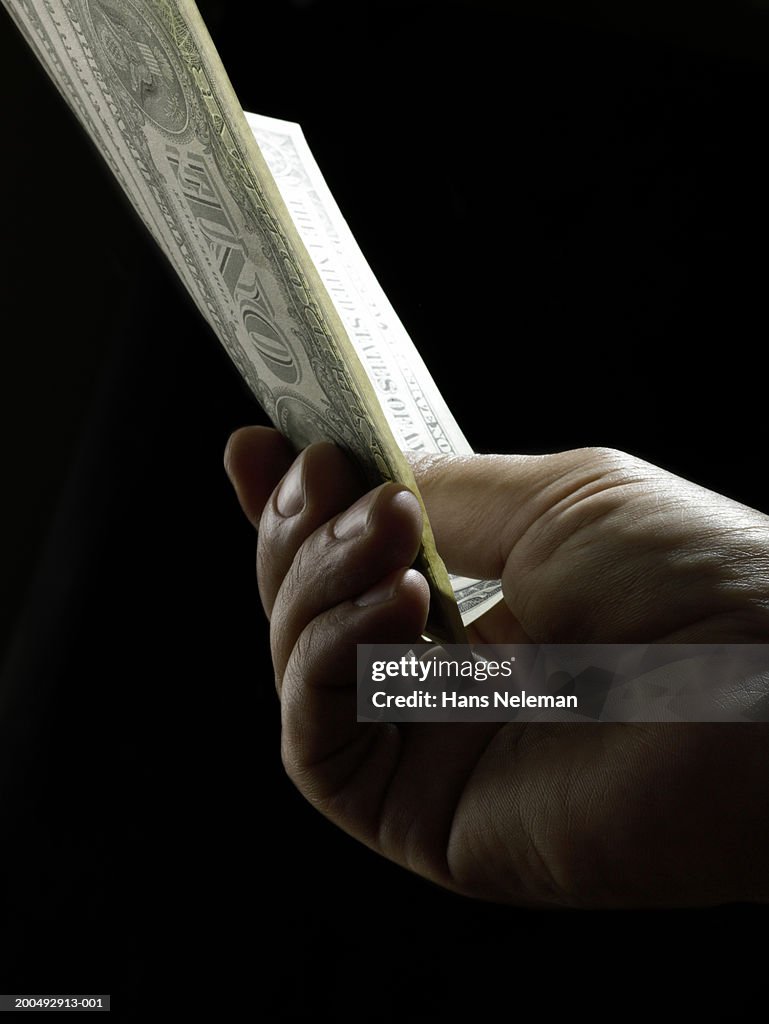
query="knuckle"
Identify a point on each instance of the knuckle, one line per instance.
(611, 462)
(304, 655)
(289, 759)
(310, 572)
(269, 547)
(297, 581)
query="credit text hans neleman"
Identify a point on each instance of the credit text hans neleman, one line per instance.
(497, 699)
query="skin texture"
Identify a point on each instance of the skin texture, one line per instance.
(592, 546)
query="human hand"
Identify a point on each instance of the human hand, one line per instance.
(592, 546)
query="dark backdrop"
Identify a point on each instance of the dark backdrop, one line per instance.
(567, 206)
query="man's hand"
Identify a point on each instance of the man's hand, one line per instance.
(592, 546)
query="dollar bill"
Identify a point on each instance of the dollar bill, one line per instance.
(145, 81)
(415, 410)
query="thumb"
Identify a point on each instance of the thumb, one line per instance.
(594, 545)
(482, 506)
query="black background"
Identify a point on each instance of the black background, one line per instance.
(568, 208)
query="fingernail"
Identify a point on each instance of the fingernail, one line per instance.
(290, 499)
(355, 519)
(380, 592)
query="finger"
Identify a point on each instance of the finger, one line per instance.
(343, 560)
(320, 484)
(255, 459)
(323, 745)
(395, 788)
